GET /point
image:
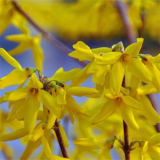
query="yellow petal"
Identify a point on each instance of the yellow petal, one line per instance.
(71, 113)
(154, 152)
(81, 91)
(61, 96)
(134, 48)
(101, 50)
(64, 136)
(131, 102)
(51, 120)
(17, 76)
(148, 110)
(81, 76)
(65, 76)
(18, 94)
(117, 74)
(14, 135)
(146, 89)
(37, 132)
(30, 148)
(71, 103)
(34, 82)
(18, 38)
(155, 139)
(19, 49)
(37, 53)
(109, 58)
(31, 112)
(91, 143)
(104, 153)
(137, 68)
(10, 59)
(49, 102)
(128, 117)
(105, 112)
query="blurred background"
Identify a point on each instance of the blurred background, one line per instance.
(98, 23)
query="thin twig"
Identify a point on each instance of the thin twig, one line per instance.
(60, 140)
(126, 147)
(122, 8)
(45, 34)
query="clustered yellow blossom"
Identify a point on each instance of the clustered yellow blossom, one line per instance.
(119, 75)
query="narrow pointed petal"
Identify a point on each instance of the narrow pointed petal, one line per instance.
(65, 76)
(81, 91)
(18, 94)
(18, 38)
(30, 148)
(91, 143)
(104, 153)
(72, 104)
(147, 89)
(10, 59)
(128, 117)
(19, 49)
(136, 67)
(131, 102)
(154, 152)
(71, 113)
(134, 48)
(49, 102)
(109, 58)
(148, 111)
(14, 135)
(51, 120)
(117, 74)
(101, 50)
(81, 76)
(105, 112)
(17, 76)
(38, 54)
(155, 139)
(30, 116)
(34, 82)
(61, 96)
(64, 136)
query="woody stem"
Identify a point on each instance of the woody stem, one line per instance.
(126, 147)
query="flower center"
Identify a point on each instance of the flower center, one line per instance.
(118, 100)
(125, 58)
(34, 91)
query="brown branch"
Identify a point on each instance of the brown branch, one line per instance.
(60, 140)
(126, 146)
(45, 34)
(123, 11)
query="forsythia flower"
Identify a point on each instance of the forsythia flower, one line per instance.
(18, 75)
(121, 102)
(151, 148)
(27, 42)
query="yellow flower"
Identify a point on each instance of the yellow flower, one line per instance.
(32, 95)
(84, 53)
(124, 104)
(27, 42)
(63, 93)
(18, 75)
(41, 136)
(151, 148)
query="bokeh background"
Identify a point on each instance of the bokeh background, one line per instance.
(97, 23)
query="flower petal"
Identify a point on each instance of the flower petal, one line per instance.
(49, 102)
(31, 112)
(131, 102)
(117, 74)
(34, 82)
(136, 67)
(81, 91)
(51, 120)
(10, 59)
(155, 139)
(17, 76)
(65, 76)
(147, 89)
(30, 148)
(128, 117)
(134, 48)
(148, 110)
(14, 135)
(108, 109)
